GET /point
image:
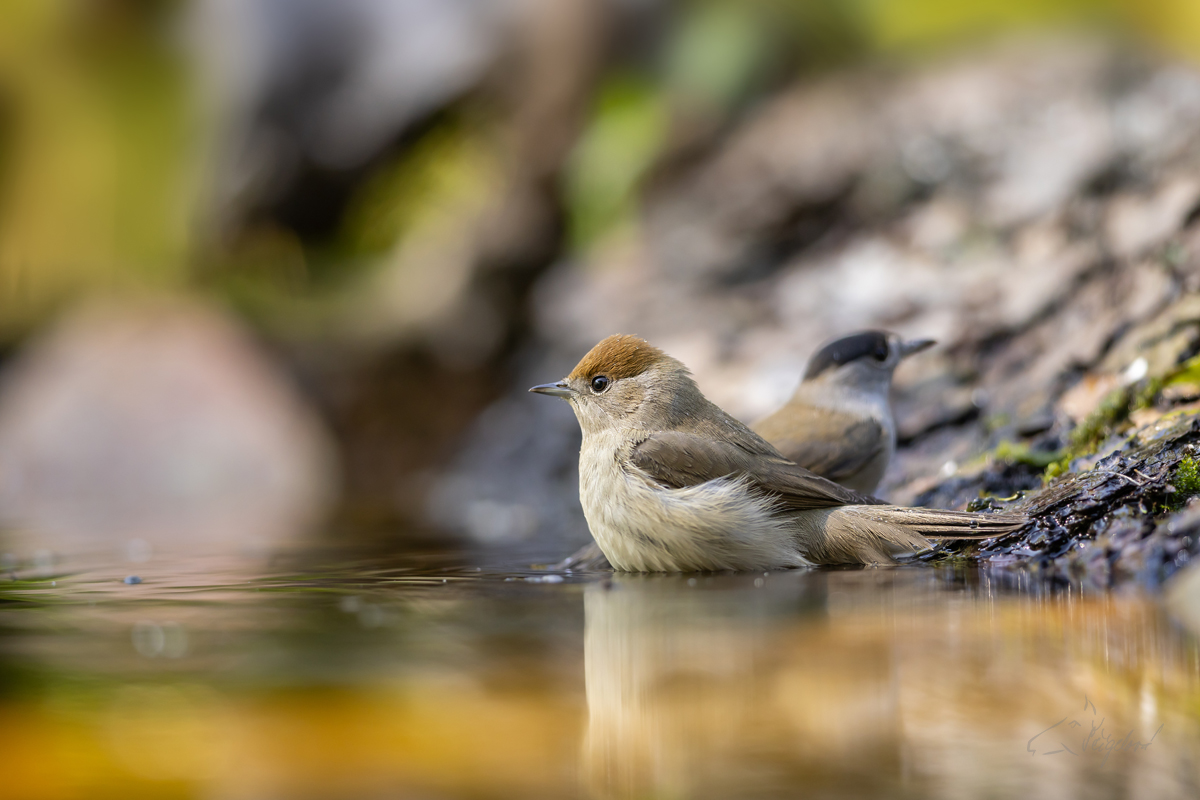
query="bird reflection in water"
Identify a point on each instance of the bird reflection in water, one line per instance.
(900, 683)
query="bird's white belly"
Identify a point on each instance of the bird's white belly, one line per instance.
(643, 527)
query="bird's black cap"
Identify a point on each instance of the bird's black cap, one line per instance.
(868, 344)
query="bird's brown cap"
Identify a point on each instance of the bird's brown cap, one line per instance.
(618, 356)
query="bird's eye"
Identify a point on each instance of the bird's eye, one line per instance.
(881, 353)
(599, 384)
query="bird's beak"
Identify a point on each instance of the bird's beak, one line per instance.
(559, 389)
(915, 346)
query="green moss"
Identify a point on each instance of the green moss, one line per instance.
(1107, 419)
(1020, 453)
(992, 502)
(1186, 479)
(1186, 373)
(1148, 394)
(1097, 426)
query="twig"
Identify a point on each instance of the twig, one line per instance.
(1126, 477)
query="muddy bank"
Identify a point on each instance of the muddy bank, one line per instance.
(1131, 517)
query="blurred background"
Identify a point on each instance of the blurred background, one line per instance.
(275, 276)
(277, 267)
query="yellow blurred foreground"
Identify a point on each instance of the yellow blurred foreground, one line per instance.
(373, 681)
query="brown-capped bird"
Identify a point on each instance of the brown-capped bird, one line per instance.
(670, 482)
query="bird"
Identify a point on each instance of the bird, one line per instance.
(839, 421)
(669, 482)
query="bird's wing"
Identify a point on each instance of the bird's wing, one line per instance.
(847, 445)
(677, 460)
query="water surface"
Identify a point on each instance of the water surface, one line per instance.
(465, 675)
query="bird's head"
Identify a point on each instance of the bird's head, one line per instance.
(625, 381)
(863, 360)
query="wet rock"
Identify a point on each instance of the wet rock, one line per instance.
(1108, 525)
(139, 426)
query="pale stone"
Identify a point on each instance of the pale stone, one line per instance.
(157, 423)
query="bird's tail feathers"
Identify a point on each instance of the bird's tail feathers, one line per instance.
(877, 534)
(937, 523)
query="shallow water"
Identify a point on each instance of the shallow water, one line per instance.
(458, 676)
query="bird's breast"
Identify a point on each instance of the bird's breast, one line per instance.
(644, 527)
